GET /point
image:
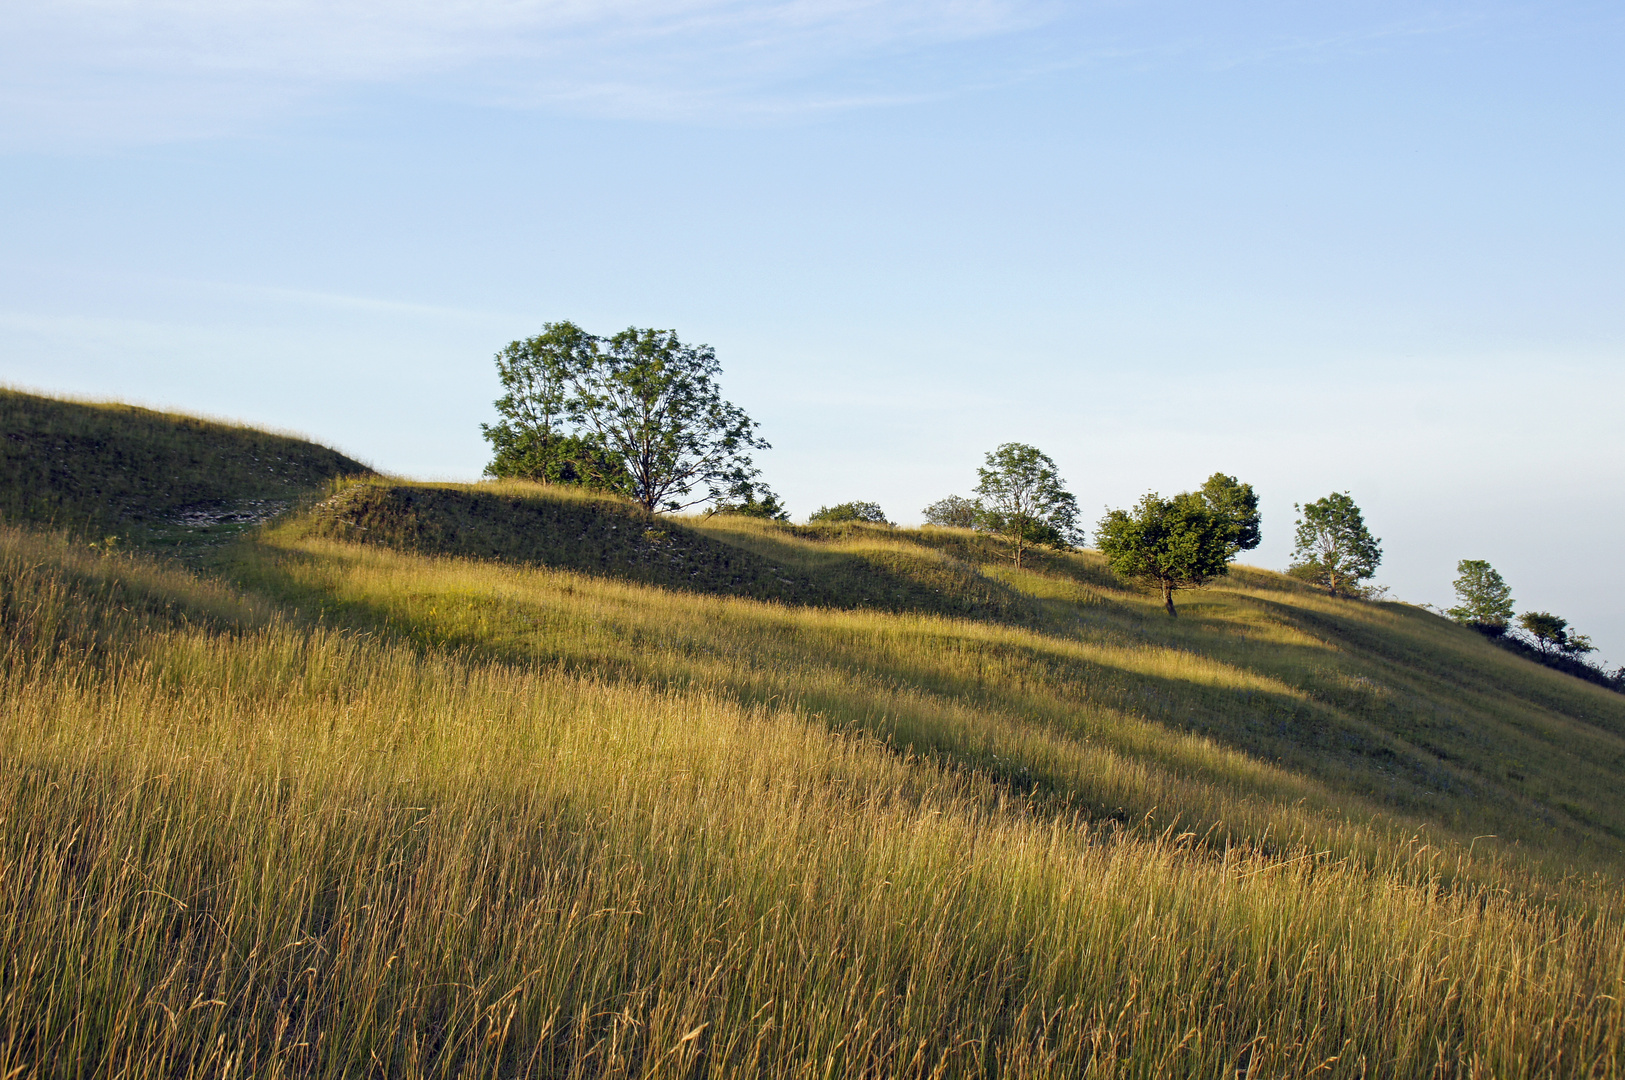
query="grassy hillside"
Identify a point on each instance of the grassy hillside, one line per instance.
(232, 843)
(1345, 703)
(560, 527)
(104, 469)
(439, 780)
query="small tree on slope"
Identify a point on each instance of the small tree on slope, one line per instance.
(1551, 634)
(1333, 547)
(1483, 598)
(1177, 543)
(1024, 500)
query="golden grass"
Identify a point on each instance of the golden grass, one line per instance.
(233, 844)
(1125, 725)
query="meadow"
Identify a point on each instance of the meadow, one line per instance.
(1264, 695)
(336, 800)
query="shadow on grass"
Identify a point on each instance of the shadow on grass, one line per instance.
(1027, 710)
(610, 538)
(155, 479)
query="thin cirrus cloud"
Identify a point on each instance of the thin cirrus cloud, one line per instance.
(101, 69)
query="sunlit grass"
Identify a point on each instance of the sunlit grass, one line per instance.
(1120, 718)
(233, 843)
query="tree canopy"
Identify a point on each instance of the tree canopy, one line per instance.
(850, 511)
(1177, 543)
(748, 504)
(1235, 506)
(1333, 548)
(1483, 598)
(1024, 500)
(954, 512)
(639, 413)
(1551, 634)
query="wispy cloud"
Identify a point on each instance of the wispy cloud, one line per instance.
(99, 70)
(166, 68)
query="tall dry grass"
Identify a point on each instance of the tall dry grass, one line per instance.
(1115, 724)
(234, 845)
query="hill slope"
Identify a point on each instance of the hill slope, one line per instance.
(149, 477)
(1362, 707)
(535, 525)
(563, 805)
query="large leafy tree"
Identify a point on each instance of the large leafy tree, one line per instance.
(1024, 500)
(1483, 598)
(655, 403)
(1333, 548)
(639, 413)
(533, 440)
(1236, 507)
(1177, 543)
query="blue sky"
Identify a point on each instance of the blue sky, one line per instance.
(1373, 247)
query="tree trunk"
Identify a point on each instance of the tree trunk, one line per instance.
(1168, 599)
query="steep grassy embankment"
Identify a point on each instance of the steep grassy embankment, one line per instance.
(539, 526)
(516, 788)
(149, 478)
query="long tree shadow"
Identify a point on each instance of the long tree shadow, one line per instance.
(970, 694)
(610, 538)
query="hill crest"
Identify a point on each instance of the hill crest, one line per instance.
(149, 477)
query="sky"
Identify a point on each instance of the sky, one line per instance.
(1321, 246)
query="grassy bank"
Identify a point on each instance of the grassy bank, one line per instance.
(1263, 696)
(148, 478)
(566, 528)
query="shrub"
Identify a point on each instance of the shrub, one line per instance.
(954, 512)
(867, 512)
